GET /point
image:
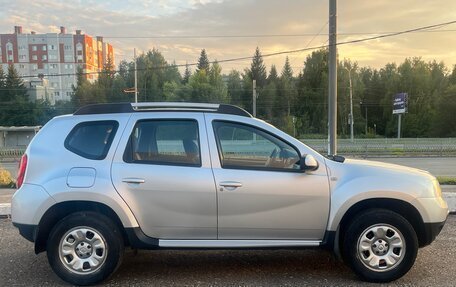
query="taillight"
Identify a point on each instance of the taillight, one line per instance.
(21, 171)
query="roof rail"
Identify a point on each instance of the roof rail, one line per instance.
(115, 108)
(172, 105)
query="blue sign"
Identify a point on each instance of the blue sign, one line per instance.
(400, 103)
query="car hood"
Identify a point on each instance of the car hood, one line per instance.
(381, 166)
(381, 176)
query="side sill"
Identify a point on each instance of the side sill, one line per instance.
(139, 240)
(222, 244)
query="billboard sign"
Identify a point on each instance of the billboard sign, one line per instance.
(400, 103)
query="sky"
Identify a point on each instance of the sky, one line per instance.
(179, 29)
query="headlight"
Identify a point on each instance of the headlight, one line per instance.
(437, 190)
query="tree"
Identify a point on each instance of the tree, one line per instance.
(234, 87)
(15, 85)
(287, 88)
(16, 110)
(285, 98)
(105, 83)
(219, 91)
(266, 102)
(443, 125)
(311, 105)
(287, 72)
(83, 92)
(187, 75)
(273, 76)
(3, 90)
(258, 69)
(203, 62)
(201, 90)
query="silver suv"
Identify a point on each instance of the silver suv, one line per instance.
(177, 175)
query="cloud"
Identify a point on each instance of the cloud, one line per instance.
(119, 20)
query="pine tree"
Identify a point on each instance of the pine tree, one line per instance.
(105, 82)
(258, 69)
(287, 72)
(272, 75)
(83, 93)
(203, 61)
(15, 86)
(16, 109)
(187, 75)
(287, 93)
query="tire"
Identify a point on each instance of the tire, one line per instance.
(380, 245)
(85, 248)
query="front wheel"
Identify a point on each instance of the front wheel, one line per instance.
(85, 248)
(380, 245)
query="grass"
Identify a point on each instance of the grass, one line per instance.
(449, 180)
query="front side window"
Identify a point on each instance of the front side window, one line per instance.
(246, 147)
(91, 140)
(168, 142)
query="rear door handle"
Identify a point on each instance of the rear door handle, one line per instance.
(133, 180)
(230, 185)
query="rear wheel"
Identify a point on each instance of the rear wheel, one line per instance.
(85, 248)
(380, 245)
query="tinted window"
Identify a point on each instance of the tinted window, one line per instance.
(92, 140)
(174, 142)
(242, 146)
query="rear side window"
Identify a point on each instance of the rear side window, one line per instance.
(92, 140)
(168, 142)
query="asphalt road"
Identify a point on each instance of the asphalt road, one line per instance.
(438, 166)
(435, 266)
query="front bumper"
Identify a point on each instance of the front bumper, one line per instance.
(431, 230)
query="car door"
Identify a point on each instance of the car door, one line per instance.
(162, 170)
(261, 191)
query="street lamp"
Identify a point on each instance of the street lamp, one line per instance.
(350, 117)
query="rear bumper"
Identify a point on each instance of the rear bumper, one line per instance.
(27, 231)
(29, 203)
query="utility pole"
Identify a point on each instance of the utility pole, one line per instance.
(254, 97)
(352, 136)
(136, 77)
(332, 97)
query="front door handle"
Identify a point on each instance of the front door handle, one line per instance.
(133, 180)
(230, 185)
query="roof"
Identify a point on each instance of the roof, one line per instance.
(115, 108)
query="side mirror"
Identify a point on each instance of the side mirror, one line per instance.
(309, 163)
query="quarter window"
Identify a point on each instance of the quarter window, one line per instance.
(169, 142)
(91, 140)
(245, 147)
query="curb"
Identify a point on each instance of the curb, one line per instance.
(450, 198)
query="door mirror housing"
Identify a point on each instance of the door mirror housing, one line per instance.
(309, 163)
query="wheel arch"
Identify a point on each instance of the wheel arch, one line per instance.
(405, 209)
(62, 209)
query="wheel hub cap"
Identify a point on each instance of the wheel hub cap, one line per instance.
(83, 250)
(381, 247)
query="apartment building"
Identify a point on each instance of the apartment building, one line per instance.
(54, 55)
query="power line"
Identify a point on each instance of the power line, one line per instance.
(269, 54)
(265, 35)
